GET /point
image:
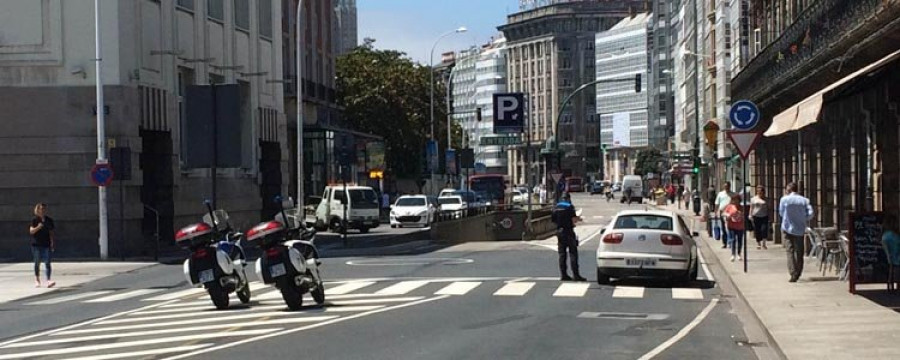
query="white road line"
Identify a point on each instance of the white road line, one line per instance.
(682, 333)
(591, 237)
(514, 289)
(93, 330)
(630, 292)
(687, 294)
(63, 299)
(177, 295)
(271, 295)
(78, 349)
(571, 290)
(119, 335)
(375, 301)
(304, 328)
(143, 353)
(401, 288)
(124, 295)
(709, 275)
(458, 288)
(174, 310)
(348, 287)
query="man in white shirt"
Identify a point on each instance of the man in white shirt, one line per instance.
(795, 211)
(722, 200)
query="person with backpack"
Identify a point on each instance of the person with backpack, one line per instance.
(565, 218)
(734, 222)
(42, 243)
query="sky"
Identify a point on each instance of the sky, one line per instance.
(412, 26)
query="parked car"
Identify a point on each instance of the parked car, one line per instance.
(617, 187)
(453, 204)
(519, 197)
(362, 208)
(447, 191)
(636, 184)
(413, 210)
(642, 243)
(597, 187)
(575, 184)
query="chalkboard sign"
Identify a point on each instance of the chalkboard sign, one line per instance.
(868, 262)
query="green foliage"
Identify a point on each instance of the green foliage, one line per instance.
(647, 162)
(386, 94)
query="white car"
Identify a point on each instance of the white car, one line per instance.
(412, 210)
(519, 197)
(642, 243)
(453, 204)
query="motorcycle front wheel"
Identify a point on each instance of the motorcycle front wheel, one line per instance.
(291, 294)
(218, 295)
(244, 293)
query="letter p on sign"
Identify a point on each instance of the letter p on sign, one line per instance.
(509, 113)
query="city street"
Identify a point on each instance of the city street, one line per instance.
(477, 300)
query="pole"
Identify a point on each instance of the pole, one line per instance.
(449, 115)
(346, 202)
(431, 117)
(696, 192)
(122, 219)
(528, 188)
(215, 146)
(746, 211)
(101, 136)
(301, 198)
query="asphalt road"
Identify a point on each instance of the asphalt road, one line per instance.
(411, 300)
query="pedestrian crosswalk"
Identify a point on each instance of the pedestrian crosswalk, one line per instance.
(356, 290)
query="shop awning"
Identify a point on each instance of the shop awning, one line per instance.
(807, 111)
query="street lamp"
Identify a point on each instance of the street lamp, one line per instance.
(301, 211)
(431, 86)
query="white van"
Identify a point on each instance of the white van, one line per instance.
(636, 184)
(362, 208)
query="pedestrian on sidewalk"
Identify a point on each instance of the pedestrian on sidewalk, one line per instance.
(565, 218)
(795, 211)
(759, 212)
(722, 200)
(42, 243)
(735, 218)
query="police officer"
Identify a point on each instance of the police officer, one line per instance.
(567, 244)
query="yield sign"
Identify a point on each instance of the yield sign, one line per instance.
(744, 141)
(556, 177)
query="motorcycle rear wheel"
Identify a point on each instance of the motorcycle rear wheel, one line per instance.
(244, 293)
(291, 294)
(318, 294)
(218, 295)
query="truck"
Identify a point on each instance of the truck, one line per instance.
(362, 209)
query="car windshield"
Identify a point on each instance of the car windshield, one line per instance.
(449, 201)
(411, 202)
(654, 222)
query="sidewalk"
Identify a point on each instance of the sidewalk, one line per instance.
(815, 318)
(18, 278)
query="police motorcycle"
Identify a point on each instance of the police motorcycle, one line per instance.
(290, 259)
(217, 261)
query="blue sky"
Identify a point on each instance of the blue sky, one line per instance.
(412, 26)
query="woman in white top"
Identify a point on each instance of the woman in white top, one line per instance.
(759, 211)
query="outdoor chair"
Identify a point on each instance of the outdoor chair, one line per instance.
(845, 249)
(893, 279)
(815, 240)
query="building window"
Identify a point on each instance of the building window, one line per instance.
(242, 14)
(215, 9)
(186, 4)
(215, 79)
(265, 18)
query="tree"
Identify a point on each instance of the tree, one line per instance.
(385, 93)
(647, 162)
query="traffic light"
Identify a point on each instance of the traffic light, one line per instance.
(695, 154)
(637, 82)
(478, 114)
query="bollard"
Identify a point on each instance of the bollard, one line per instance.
(696, 204)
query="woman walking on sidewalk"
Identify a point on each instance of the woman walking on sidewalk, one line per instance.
(734, 218)
(42, 245)
(759, 211)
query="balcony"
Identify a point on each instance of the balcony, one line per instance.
(828, 40)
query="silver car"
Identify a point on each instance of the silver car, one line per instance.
(643, 243)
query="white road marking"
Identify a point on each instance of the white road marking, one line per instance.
(458, 288)
(375, 301)
(630, 292)
(514, 289)
(682, 333)
(271, 295)
(571, 290)
(143, 353)
(687, 294)
(124, 295)
(709, 275)
(173, 310)
(78, 349)
(177, 295)
(592, 236)
(401, 288)
(304, 328)
(63, 299)
(93, 330)
(348, 287)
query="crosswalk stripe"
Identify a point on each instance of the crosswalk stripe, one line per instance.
(94, 330)
(376, 301)
(687, 294)
(176, 295)
(73, 297)
(571, 290)
(271, 295)
(514, 289)
(172, 310)
(348, 287)
(458, 288)
(401, 288)
(78, 349)
(631, 292)
(123, 296)
(144, 353)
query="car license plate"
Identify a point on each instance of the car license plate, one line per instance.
(640, 262)
(206, 276)
(277, 270)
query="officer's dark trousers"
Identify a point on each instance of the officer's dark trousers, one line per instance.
(567, 245)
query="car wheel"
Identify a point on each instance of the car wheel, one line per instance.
(364, 230)
(602, 279)
(393, 226)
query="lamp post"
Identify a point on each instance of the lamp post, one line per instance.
(431, 87)
(301, 211)
(101, 136)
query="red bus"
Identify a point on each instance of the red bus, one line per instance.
(493, 185)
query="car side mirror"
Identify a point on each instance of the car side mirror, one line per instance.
(695, 234)
(602, 231)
